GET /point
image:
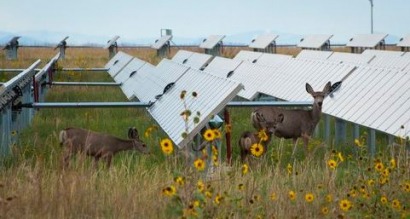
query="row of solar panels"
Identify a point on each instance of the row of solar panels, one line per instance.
(280, 76)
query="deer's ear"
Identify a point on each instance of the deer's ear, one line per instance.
(260, 117)
(327, 88)
(280, 118)
(133, 133)
(309, 89)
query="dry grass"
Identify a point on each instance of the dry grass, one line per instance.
(33, 183)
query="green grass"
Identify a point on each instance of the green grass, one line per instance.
(33, 183)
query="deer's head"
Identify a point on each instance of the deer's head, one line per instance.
(138, 144)
(271, 125)
(318, 96)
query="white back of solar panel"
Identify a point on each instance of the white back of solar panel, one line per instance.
(263, 41)
(404, 42)
(181, 56)
(213, 93)
(220, 66)
(125, 73)
(366, 40)
(314, 54)
(273, 60)
(315, 41)
(211, 41)
(159, 43)
(351, 58)
(135, 83)
(245, 55)
(117, 63)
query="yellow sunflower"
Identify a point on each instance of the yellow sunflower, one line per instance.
(383, 199)
(245, 169)
(329, 198)
(345, 205)
(332, 164)
(241, 187)
(292, 195)
(179, 180)
(218, 199)
(200, 186)
(325, 210)
(166, 146)
(169, 191)
(309, 197)
(395, 204)
(257, 150)
(199, 164)
(393, 163)
(217, 133)
(289, 168)
(262, 135)
(379, 167)
(406, 187)
(209, 135)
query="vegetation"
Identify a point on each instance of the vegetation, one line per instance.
(331, 181)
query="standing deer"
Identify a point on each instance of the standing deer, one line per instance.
(248, 138)
(98, 145)
(296, 123)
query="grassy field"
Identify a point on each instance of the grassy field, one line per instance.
(333, 181)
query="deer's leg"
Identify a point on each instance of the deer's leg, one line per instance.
(95, 161)
(108, 157)
(67, 156)
(306, 138)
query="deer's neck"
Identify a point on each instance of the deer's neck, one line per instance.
(316, 114)
(123, 145)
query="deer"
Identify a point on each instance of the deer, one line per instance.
(249, 138)
(297, 123)
(98, 145)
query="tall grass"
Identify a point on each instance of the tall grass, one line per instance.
(33, 183)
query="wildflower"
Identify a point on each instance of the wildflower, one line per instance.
(273, 196)
(395, 204)
(383, 180)
(339, 155)
(257, 150)
(309, 197)
(218, 199)
(262, 135)
(332, 164)
(379, 166)
(383, 199)
(386, 172)
(325, 210)
(353, 193)
(245, 169)
(217, 133)
(406, 187)
(358, 143)
(169, 191)
(209, 135)
(208, 194)
(241, 187)
(214, 150)
(200, 186)
(329, 198)
(166, 146)
(179, 180)
(370, 182)
(215, 160)
(182, 95)
(289, 168)
(199, 164)
(393, 163)
(292, 195)
(345, 205)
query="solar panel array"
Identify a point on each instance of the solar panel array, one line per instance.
(313, 54)
(263, 41)
(192, 59)
(117, 63)
(378, 98)
(249, 56)
(211, 41)
(314, 41)
(366, 40)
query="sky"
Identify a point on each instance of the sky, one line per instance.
(133, 19)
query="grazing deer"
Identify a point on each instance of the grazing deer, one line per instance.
(296, 123)
(248, 138)
(98, 145)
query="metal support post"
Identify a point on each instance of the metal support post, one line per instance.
(372, 142)
(340, 131)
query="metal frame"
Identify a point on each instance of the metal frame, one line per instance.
(11, 48)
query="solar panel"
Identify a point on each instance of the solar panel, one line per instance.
(288, 81)
(313, 54)
(181, 56)
(399, 63)
(221, 67)
(117, 63)
(351, 58)
(404, 42)
(159, 43)
(249, 56)
(150, 84)
(136, 80)
(315, 41)
(131, 68)
(263, 41)
(213, 93)
(366, 40)
(197, 60)
(252, 77)
(274, 60)
(12, 41)
(211, 41)
(382, 103)
(111, 42)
